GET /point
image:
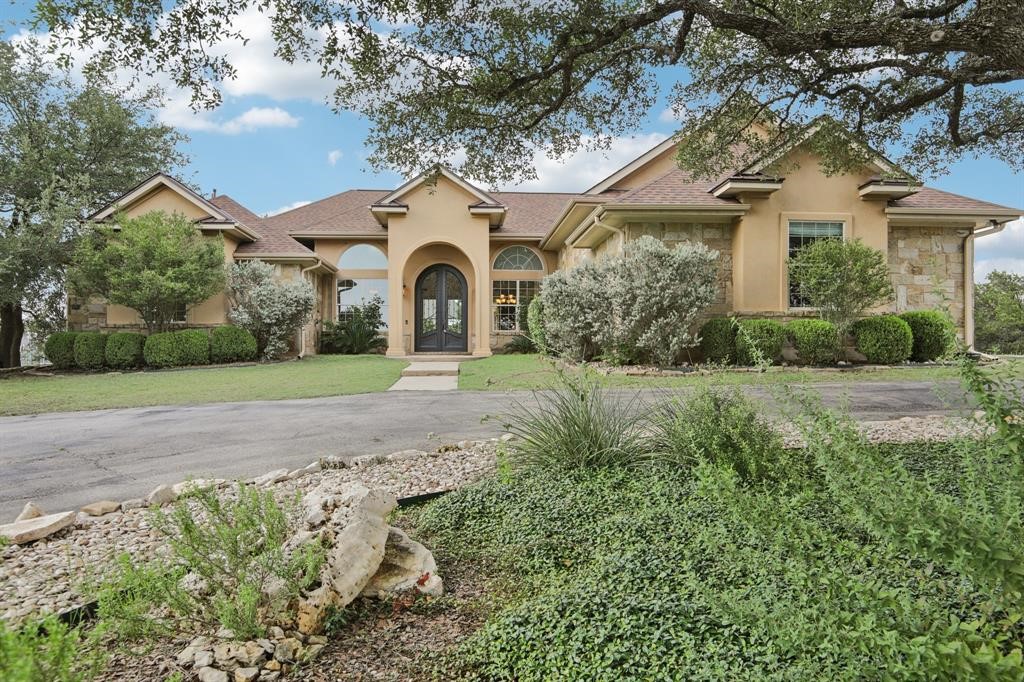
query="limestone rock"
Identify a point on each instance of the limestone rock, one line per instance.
(102, 507)
(271, 477)
(37, 528)
(209, 674)
(134, 503)
(160, 495)
(186, 656)
(192, 485)
(203, 659)
(287, 650)
(30, 511)
(311, 652)
(407, 565)
(246, 674)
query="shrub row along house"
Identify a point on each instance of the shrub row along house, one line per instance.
(456, 265)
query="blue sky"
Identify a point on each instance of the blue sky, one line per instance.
(275, 143)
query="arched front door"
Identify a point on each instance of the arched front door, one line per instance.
(442, 307)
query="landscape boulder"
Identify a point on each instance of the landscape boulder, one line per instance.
(21, 532)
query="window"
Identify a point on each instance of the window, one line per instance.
(518, 258)
(363, 257)
(510, 300)
(356, 292)
(802, 233)
(180, 313)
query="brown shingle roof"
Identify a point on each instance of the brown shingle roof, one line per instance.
(272, 240)
(674, 187)
(929, 197)
(530, 214)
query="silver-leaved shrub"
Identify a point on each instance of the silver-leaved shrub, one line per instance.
(271, 310)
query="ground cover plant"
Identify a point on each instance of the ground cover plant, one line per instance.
(723, 555)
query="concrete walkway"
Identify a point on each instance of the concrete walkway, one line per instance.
(429, 373)
(65, 460)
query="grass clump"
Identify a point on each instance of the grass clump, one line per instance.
(231, 568)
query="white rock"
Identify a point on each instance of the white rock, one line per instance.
(40, 527)
(271, 477)
(247, 674)
(102, 507)
(134, 503)
(209, 674)
(30, 511)
(192, 486)
(187, 656)
(203, 659)
(160, 495)
(407, 565)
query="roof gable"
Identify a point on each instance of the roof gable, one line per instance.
(636, 164)
(430, 177)
(153, 184)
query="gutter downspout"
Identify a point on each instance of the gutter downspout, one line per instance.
(993, 227)
(302, 332)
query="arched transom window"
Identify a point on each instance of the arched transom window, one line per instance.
(517, 258)
(363, 257)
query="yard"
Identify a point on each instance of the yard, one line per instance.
(519, 372)
(311, 377)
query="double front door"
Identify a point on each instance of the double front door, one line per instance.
(442, 323)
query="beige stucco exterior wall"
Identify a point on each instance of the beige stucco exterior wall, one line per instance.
(166, 200)
(438, 228)
(652, 170)
(761, 239)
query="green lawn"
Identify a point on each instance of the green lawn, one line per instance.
(518, 372)
(311, 377)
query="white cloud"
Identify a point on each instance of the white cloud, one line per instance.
(668, 116)
(334, 156)
(289, 207)
(586, 168)
(178, 114)
(1001, 251)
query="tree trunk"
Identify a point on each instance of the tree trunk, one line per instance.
(12, 328)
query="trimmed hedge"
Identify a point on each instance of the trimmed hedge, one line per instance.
(815, 341)
(884, 339)
(760, 335)
(932, 332)
(718, 340)
(232, 344)
(90, 350)
(60, 349)
(124, 350)
(160, 350)
(194, 347)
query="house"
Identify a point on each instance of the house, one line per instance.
(457, 265)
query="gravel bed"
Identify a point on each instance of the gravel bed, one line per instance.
(46, 576)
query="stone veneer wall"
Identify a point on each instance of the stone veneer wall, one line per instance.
(717, 236)
(927, 266)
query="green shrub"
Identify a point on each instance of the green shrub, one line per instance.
(90, 350)
(160, 350)
(124, 350)
(520, 343)
(358, 333)
(49, 652)
(535, 324)
(233, 546)
(60, 349)
(232, 344)
(577, 425)
(759, 341)
(193, 347)
(718, 340)
(932, 332)
(721, 427)
(815, 341)
(884, 339)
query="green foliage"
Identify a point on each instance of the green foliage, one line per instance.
(358, 333)
(49, 651)
(272, 310)
(815, 341)
(155, 263)
(724, 428)
(60, 349)
(193, 347)
(228, 553)
(999, 313)
(160, 350)
(842, 279)
(229, 343)
(758, 340)
(520, 343)
(90, 350)
(933, 334)
(884, 339)
(718, 340)
(842, 561)
(535, 324)
(578, 425)
(124, 350)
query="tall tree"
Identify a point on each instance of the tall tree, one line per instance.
(999, 313)
(66, 148)
(494, 80)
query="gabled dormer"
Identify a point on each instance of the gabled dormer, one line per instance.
(481, 202)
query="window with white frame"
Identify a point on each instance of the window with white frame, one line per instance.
(353, 292)
(363, 257)
(802, 233)
(518, 258)
(510, 300)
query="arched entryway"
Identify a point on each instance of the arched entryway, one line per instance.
(442, 310)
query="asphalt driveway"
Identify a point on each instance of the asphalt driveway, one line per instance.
(65, 460)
